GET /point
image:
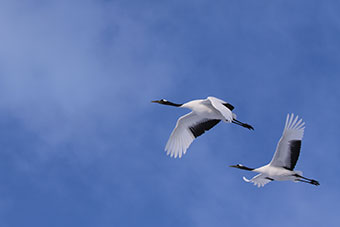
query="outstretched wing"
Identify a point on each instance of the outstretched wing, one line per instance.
(288, 149)
(222, 107)
(259, 180)
(188, 127)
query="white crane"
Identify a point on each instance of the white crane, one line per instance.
(206, 113)
(281, 168)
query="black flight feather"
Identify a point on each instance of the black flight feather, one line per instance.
(229, 106)
(201, 127)
(294, 149)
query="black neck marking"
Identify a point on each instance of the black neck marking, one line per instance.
(172, 104)
(166, 102)
(245, 168)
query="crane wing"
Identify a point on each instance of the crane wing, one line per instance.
(188, 127)
(288, 149)
(259, 180)
(222, 107)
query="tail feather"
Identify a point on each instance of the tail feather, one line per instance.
(259, 180)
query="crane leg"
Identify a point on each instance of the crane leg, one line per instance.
(242, 124)
(306, 180)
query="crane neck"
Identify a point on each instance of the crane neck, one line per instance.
(246, 168)
(239, 166)
(171, 104)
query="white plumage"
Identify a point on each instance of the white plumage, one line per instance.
(287, 152)
(284, 155)
(206, 113)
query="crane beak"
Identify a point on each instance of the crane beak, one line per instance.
(155, 101)
(234, 166)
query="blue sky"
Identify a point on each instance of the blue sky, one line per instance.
(81, 144)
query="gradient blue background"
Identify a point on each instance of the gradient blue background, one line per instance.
(81, 144)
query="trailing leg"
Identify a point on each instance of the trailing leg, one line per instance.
(242, 124)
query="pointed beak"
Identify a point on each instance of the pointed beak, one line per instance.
(234, 166)
(155, 101)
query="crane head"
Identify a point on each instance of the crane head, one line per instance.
(162, 101)
(240, 166)
(237, 166)
(166, 102)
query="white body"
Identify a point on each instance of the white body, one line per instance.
(203, 110)
(284, 160)
(272, 172)
(210, 108)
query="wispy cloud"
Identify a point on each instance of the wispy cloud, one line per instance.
(67, 66)
(77, 78)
